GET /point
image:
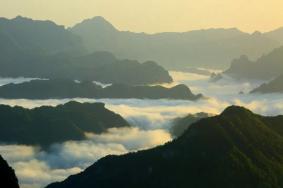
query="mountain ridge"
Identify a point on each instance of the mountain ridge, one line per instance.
(47, 125)
(61, 89)
(234, 149)
(7, 175)
(274, 86)
(267, 67)
(182, 48)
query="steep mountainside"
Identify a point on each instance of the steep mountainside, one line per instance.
(7, 175)
(42, 49)
(212, 48)
(32, 36)
(46, 125)
(267, 67)
(274, 86)
(98, 66)
(48, 89)
(235, 149)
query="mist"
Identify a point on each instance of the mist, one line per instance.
(151, 121)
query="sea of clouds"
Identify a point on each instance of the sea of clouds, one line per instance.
(151, 120)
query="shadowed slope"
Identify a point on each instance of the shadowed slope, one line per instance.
(7, 175)
(46, 125)
(50, 89)
(235, 149)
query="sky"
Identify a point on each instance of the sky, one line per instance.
(154, 16)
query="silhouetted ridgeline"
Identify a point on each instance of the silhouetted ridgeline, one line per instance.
(99, 66)
(8, 178)
(266, 67)
(26, 36)
(46, 125)
(235, 149)
(42, 49)
(200, 48)
(48, 89)
(274, 86)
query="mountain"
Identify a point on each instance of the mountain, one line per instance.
(8, 178)
(42, 49)
(47, 125)
(50, 89)
(33, 36)
(276, 35)
(234, 149)
(274, 86)
(105, 67)
(98, 66)
(213, 48)
(265, 68)
(180, 125)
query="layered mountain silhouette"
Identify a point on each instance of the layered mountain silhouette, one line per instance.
(47, 125)
(99, 66)
(7, 174)
(235, 149)
(264, 68)
(274, 86)
(27, 36)
(50, 89)
(42, 49)
(201, 48)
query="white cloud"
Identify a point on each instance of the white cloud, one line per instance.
(4, 81)
(133, 138)
(36, 168)
(15, 153)
(151, 120)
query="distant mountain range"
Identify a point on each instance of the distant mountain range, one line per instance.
(274, 86)
(234, 149)
(267, 67)
(42, 49)
(54, 89)
(32, 48)
(213, 48)
(27, 36)
(47, 125)
(7, 175)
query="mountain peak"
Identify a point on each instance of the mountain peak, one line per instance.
(99, 19)
(19, 17)
(222, 152)
(235, 110)
(97, 22)
(102, 22)
(257, 33)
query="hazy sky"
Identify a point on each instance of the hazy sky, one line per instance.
(155, 15)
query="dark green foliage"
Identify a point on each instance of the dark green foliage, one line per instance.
(232, 150)
(274, 86)
(46, 89)
(46, 125)
(8, 178)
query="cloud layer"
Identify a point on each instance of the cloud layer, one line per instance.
(37, 168)
(151, 120)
